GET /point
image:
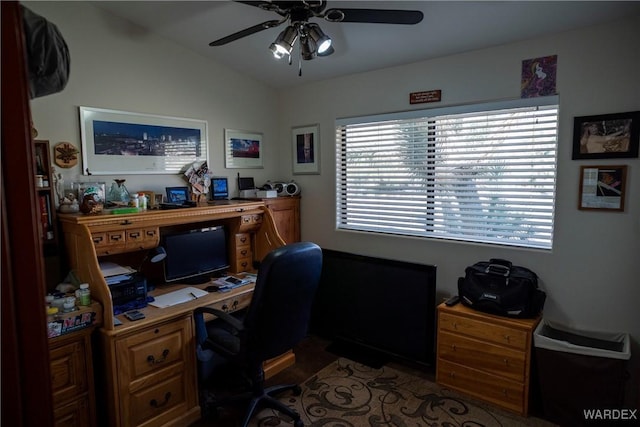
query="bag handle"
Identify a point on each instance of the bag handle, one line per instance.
(499, 266)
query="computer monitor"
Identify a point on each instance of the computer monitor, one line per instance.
(220, 188)
(246, 183)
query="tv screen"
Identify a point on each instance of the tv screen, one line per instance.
(382, 304)
(193, 255)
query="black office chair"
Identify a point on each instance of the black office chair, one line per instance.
(275, 321)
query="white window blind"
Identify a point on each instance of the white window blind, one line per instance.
(483, 173)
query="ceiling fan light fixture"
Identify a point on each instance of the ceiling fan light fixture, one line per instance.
(327, 52)
(322, 41)
(284, 43)
(307, 48)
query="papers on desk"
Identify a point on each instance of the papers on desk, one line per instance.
(114, 273)
(178, 297)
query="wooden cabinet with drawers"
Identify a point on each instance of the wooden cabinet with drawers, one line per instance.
(72, 379)
(155, 365)
(485, 356)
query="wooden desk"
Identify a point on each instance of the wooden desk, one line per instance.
(149, 366)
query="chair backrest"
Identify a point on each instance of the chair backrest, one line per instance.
(278, 316)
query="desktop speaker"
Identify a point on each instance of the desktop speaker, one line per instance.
(290, 189)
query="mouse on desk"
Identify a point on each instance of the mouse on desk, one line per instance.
(212, 288)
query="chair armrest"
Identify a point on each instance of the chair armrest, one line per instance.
(201, 328)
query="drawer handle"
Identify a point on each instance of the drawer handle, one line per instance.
(453, 347)
(152, 360)
(455, 325)
(235, 304)
(115, 237)
(452, 374)
(134, 235)
(126, 222)
(225, 307)
(504, 391)
(151, 233)
(155, 403)
(97, 239)
(243, 239)
(244, 252)
(506, 362)
(507, 338)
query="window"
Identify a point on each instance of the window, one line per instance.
(479, 173)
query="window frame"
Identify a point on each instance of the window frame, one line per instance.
(529, 107)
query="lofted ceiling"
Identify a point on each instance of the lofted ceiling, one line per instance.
(448, 27)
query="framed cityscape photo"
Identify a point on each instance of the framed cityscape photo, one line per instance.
(607, 136)
(116, 142)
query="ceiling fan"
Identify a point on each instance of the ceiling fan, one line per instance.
(313, 41)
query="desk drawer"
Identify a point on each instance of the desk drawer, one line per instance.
(153, 349)
(493, 359)
(490, 388)
(157, 401)
(484, 331)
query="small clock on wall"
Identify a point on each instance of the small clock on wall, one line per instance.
(65, 155)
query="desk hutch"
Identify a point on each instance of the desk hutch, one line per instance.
(149, 366)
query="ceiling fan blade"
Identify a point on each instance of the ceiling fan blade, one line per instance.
(374, 16)
(245, 32)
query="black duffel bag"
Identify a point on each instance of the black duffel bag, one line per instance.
(498, 287)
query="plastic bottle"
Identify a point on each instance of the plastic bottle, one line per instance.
(135, 202)
(142, 201)
(84, 294)
(52, 314)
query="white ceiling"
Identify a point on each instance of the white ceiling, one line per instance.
(449, 27)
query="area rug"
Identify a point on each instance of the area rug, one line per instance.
(349, 394)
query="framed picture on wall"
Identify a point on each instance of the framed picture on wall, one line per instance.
(242, 149)
(607, 136)
(602, 188)
(306, 149)
(117, 142)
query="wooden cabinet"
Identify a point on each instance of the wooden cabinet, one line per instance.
(155, 368)
(485, 356)
(72, 379)
(286, 215)
(46, 194)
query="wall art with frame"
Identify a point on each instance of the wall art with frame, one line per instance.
(306, 149)
(607, 136)
(242, 149)
(602, 188)
(116, 142)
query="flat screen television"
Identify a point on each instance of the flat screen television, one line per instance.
(194, 255)
(380, 304)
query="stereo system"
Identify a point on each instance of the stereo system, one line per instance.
(290, 188)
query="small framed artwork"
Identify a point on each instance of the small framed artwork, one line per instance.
(607, 136)
(306, 149)
(602, 188)
(157, 200)
(242, 149)
(177, 194)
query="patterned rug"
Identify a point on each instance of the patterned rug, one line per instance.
(348, 394)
